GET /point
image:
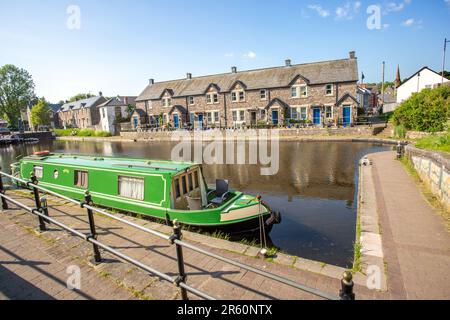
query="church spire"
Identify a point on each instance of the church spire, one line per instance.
(398, 80)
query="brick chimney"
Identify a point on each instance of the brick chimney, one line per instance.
(352, 55)
(288, 62)
(233, 69)
(189, 76)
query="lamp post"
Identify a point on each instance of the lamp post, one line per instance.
(443, 62)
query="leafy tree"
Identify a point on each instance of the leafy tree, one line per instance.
(447, 74)
(40, 114)
(16, 91)
(428, 110)
(80, 96)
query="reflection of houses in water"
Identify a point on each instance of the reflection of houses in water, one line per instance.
(316, 170)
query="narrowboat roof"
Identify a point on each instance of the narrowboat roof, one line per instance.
(124, 164)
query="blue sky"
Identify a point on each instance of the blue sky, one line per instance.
(121, 44)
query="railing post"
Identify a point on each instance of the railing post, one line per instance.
(181, 272)
(2, 191)
(37, 200)
(93, 235)
(44, 207)
(347, 284)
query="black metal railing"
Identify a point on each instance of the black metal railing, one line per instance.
(41, 211)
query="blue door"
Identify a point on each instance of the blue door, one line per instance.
(274, 116)
(316, 116)
(346, 115)
(176, 121)
(200, 121)
(136, 122)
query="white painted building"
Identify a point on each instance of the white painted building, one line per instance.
(110, 110)
(422, 79)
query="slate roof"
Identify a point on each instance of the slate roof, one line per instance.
(119, 102)
(54, 106)
(345, 70)
(86, 103)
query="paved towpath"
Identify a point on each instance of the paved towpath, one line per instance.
(416, 243)
(42, 255)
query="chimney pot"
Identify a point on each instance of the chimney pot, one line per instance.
(352, 55)
(151, 81)
(288, 62)
(189, 75)
(233, 69)
(100, 94)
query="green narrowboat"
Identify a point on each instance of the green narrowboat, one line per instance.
(166, 190)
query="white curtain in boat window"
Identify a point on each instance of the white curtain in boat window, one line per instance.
(38, 172)
(130, 187)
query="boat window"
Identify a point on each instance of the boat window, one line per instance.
(131, 187)
(177, 188)
(195, 173)
(55, 174)
(191, 186)
(38, 171)
(184, 183)
(81, 179)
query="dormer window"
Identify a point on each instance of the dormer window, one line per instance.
(167, 102)
(238, 96)
(329, 90)
(212, 98)
(299, 91)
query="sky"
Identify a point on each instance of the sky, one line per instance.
(115, 46)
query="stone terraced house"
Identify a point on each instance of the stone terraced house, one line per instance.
(321, 93)
(82, 114)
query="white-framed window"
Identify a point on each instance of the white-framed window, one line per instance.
(299, 91)
(212, 116)
(263, 94)
(299, 113)
(212, 98)
(294, 113)
(190, 101)
(238, 96)
(216, 116)
(131, 187)
(329, 90)
(192, 117)
(38, 172)
(262, 114)
(167, 102)
(303, 113)
(329, 112)
(238, 115)
(165, 118)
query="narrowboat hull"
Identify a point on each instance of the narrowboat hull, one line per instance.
(239, 213)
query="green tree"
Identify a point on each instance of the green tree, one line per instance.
(16, 91)
(428, 110)
(80, 96)
(40, 114)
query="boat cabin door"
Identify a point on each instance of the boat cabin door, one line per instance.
(188, 184)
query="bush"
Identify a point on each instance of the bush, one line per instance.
(400, 131)
(427, 110)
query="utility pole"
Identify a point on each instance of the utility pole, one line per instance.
(382, 85)
(443, 63)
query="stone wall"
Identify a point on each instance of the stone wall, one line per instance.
(434, 169)
(419, 134)
(283, 133)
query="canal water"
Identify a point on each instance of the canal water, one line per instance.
(315, 188)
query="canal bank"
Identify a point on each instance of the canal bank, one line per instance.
(415, 244)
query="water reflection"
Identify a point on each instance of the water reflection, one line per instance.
(315, 188)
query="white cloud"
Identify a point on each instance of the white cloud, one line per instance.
(411, 22)
(250, 55)
(229, 55)
(320, 11)
(396, 6)
(347, 11)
